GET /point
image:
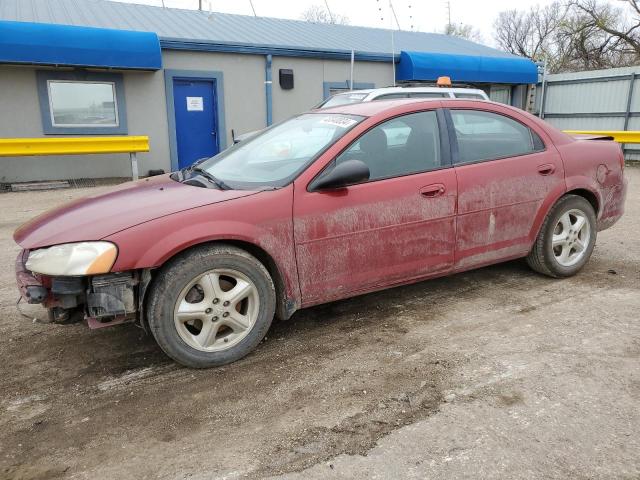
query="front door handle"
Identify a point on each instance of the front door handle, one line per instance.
(546, 169)
(431, 191)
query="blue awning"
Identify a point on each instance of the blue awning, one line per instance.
(466, 68)
(48, 44)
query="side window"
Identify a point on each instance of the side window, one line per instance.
(400, 146)
(389, 96)
(487, 136)
(428, 95)
(473, 96)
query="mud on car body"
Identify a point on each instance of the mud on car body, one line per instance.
(327, 205)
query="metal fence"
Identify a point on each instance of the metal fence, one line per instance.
(595, 100)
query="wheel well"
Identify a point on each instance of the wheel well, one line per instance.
(282, 310)
(587, 195)
(272, 268)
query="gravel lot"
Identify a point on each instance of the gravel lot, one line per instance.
(497, 372)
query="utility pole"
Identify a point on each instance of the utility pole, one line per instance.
(252, 8)
(449, 14)
(200, 5)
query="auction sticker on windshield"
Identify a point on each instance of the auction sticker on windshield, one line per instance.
(337, 121)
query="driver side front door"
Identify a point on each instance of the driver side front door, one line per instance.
(398, 226)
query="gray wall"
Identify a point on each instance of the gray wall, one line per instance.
(20, 117)
(146, 108)
(310, 75)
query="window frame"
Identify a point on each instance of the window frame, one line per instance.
(445, 150)
(44, 79)
(455, 154)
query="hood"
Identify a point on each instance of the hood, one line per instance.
(124, 206)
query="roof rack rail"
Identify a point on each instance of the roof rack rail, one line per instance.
(411, 84)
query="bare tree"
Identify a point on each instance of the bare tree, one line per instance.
(463, 30)
(622, 25)
(531, 33)
(578, 35)
(319, 14)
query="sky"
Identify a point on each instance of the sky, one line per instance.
(427, 15)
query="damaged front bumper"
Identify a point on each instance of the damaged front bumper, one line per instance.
(101, 300)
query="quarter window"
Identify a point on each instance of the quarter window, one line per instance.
(401, 146)
(487, 136)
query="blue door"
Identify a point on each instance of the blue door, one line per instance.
(196, 120)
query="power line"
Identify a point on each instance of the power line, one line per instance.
(326, 3)
(252, 8)
(393, 11)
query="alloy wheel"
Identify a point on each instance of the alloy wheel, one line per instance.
(216, 310)
(571, 237)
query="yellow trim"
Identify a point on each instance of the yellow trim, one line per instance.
(619, 136)
(21, 147)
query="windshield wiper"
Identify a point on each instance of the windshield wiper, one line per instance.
(216, 181)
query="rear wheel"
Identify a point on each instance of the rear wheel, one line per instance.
(211, 306)
(566, 239)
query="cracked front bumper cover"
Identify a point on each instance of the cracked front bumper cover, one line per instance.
(31, 289)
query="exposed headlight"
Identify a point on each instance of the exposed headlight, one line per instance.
(84, 258)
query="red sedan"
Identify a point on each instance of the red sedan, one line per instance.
(327, 205)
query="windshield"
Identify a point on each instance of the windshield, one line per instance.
(344, 99)
(276, 156)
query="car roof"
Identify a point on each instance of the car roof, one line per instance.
(369, 109)
(384, 90)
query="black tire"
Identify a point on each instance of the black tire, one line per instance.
(541, 258)
(177, 274)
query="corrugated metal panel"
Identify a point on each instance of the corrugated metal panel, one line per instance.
(234, 29)
(582, 123)
(606, 96)
(500, 94)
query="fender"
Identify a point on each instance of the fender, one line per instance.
(269, 228)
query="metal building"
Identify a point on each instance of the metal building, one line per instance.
(594, 100)
(187, 79)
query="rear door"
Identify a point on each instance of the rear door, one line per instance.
(398, 226)
(504, 172)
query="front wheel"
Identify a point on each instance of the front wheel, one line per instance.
(566, 239)
(211, 306)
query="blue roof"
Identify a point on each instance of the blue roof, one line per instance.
(466, 68)
(46, 44)
(196, 30)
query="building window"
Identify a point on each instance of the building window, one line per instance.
(331, 88)
(80, 103)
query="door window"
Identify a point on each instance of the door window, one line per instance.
(401, 146)
(488, 136)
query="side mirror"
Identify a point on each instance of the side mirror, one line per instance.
(343, 174)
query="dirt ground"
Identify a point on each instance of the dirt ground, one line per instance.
(497, 372)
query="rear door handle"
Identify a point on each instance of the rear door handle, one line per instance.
(546, 169)
(431, 191)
